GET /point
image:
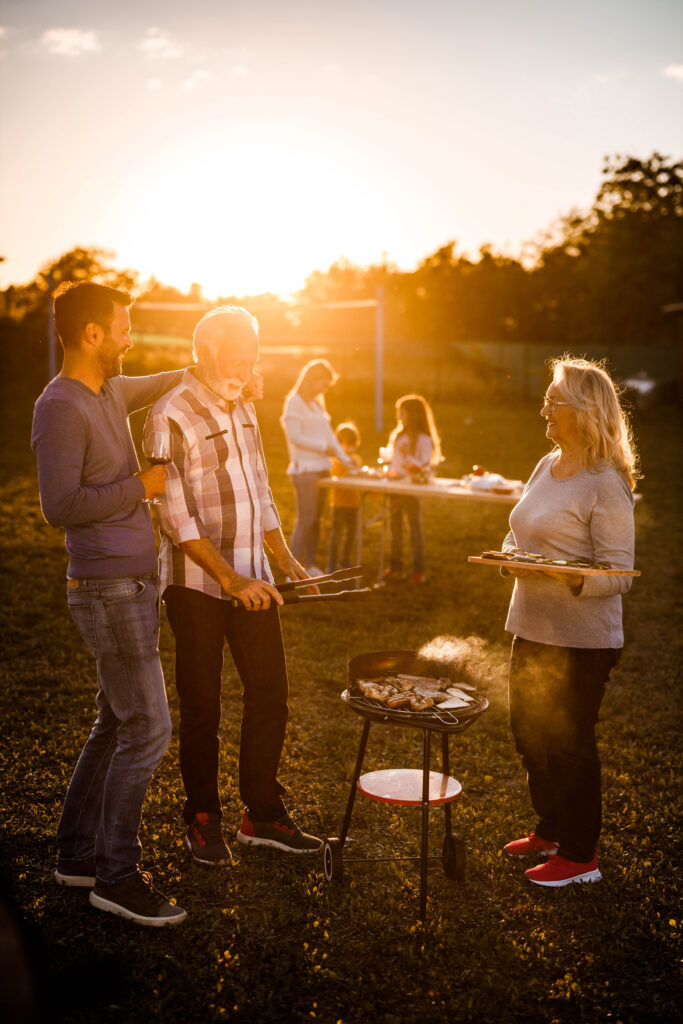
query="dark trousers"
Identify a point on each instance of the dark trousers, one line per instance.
(555, 697)
(344, 528)
(201, 624)
(407, 505)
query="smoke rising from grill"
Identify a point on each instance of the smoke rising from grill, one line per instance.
(480, 663)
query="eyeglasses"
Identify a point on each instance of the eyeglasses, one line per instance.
(551, 403)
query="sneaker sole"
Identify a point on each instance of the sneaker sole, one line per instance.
(150, 922)
(587, 876)
(256, 841)
(206, 863)
(532, 853)
(75, 881)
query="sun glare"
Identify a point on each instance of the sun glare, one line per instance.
(242, 216)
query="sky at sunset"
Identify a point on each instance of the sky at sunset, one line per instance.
(244, 143)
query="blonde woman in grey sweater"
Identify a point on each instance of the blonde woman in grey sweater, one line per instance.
(567, 629)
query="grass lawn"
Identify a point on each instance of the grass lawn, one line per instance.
(268, 940)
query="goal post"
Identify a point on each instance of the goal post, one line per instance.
(377, 304)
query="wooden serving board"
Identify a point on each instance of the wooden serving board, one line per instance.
(540, 567)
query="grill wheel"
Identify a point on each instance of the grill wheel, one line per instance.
(332, 860)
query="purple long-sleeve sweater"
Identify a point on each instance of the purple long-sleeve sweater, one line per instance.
(86, 472)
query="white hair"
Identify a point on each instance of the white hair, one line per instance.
(221, 327)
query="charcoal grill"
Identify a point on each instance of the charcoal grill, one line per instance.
(406, 786)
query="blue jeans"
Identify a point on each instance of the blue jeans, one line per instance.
(344, 528)
(119, 621)
(408, 505)
(310, 502)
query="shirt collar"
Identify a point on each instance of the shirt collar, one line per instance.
(206, 395)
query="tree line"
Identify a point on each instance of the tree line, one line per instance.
(601, 277)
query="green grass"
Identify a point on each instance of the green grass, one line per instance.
(268, 940)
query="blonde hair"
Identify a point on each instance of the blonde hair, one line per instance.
(414, 416)
(601, 419)
(311, 367)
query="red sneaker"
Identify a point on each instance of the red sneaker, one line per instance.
(418, 577)
(204, 840)
(560, 871)
(282, 833)
(531, 844)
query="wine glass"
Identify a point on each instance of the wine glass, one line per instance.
(157, 450)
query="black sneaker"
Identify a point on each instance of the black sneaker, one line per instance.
(136, 899)
(79, 873)
(205, 840)
(282, 833)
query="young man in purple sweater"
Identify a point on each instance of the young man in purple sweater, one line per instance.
(91, 485)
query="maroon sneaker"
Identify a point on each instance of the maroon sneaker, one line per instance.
(531, 844)
(560, 871)
(205, 840)
(282, 833)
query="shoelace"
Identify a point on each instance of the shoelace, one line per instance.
(212, 831)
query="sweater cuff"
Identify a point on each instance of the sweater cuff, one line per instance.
(134, 489)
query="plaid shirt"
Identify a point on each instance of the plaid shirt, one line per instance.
(217, 485)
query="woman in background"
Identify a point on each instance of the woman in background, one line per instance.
(311, 443)
(413, 450)
(567, 628)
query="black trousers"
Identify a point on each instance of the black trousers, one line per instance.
(555, 696)
(201, 624)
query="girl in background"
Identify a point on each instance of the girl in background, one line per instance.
(413, 450)
(311, 443)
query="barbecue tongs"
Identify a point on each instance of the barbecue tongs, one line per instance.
(288, 590)
(290, 595)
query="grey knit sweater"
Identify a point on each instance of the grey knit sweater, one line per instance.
(86, 472)
(590, 516)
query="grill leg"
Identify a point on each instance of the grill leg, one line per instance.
(354, 782)
(425, 827)
(445, 769)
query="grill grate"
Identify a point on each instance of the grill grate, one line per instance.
(429, 717)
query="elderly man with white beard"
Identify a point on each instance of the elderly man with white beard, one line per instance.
(217, 518)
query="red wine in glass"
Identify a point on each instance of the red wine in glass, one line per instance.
(157, 449)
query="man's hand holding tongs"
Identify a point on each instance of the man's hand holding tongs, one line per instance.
(286, 561)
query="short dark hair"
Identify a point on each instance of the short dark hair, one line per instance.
(78, 303)
(349, 433)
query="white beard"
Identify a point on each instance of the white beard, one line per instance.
(227, 389)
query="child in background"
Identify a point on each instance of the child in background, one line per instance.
(345, 504)
(414, 450)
